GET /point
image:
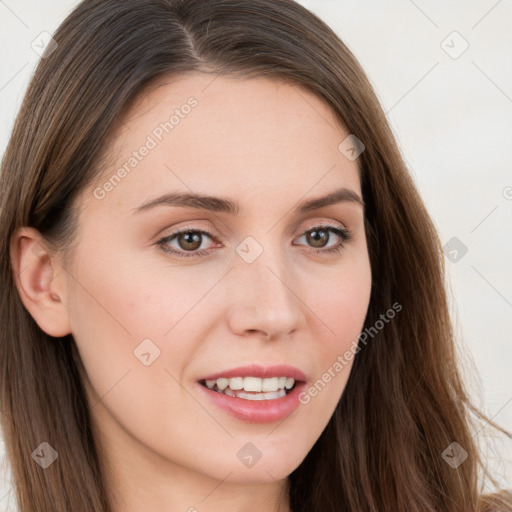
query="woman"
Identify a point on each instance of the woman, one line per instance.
(221, 287)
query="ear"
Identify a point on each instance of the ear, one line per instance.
(40, 280)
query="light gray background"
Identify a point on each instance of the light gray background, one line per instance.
(452, 118)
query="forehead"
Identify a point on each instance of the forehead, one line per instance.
(249, 138)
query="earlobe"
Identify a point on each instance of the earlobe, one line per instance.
(40, 281)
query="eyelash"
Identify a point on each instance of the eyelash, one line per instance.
(345, 235)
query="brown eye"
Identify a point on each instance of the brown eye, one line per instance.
(317, 237)
(189, 240)
(186, 242)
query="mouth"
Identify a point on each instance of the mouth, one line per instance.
(255, 393)
(252, 388)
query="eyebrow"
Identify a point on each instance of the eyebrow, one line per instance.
(225, 205)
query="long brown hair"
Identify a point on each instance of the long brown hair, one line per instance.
(404, 402)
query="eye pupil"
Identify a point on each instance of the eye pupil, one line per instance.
(318, 235)
(189, 240)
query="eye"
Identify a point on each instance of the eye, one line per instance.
(319, 236)
(190, 240)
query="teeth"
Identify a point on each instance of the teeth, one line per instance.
(229, 392)
(252, 384)
(252, 388)
(236, 383)
(261, 396)
(222, 384)
(270, 384)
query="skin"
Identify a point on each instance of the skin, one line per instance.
(268, 145)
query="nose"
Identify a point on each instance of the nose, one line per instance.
(264, 297)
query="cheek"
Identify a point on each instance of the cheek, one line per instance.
(126, 300)
(133, 331)
(112, 311)
(138, 327)
(339, 309)
(339, 300)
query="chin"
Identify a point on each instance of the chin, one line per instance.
(265, 461)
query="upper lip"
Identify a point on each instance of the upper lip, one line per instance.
(259, 370)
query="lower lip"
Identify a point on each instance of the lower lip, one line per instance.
(257, 411)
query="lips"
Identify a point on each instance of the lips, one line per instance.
(255, 393)
(255, 370)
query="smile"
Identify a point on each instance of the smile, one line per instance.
(255, 393)
(252, 388)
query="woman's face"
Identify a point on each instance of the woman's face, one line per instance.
(256, 281)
